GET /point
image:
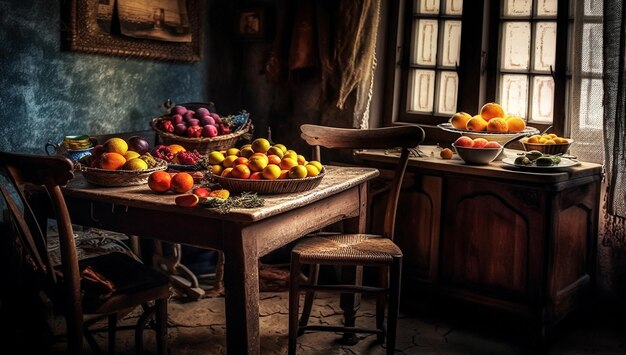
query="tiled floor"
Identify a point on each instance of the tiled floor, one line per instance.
(198, 327)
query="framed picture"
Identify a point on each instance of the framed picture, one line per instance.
(251, 22)
(152, 29)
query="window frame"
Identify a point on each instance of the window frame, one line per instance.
(478, 66)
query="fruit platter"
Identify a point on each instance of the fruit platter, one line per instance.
(491, 123)
(194, 127)
(264, 168)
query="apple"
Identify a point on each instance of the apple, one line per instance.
(209, 131)
(138, 144)
(193, 122)
(492, 144)
(479, 143)
(464, 141)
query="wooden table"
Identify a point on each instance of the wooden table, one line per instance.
(244, 235)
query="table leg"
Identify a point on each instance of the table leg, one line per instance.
(350, 302)
(241, 280)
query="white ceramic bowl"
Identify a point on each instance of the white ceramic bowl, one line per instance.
(477, 156)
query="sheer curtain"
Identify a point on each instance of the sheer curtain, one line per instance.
(615, 120)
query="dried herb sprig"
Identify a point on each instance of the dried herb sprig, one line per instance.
(245, 200)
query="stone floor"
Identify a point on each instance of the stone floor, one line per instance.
(198, 327)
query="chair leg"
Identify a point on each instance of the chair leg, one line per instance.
(381, 303)
(143, 320)
(294, 304)
(112, 328)
(309, 297)
(394, 304)
(161, 325)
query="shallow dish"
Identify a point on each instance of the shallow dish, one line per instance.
(278, 186)
(565, 163)
(552, 149)
(477, 156)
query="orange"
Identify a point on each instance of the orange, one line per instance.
(516, 124)
(492, 110)
(446, 153)
(175, 148)
(459, 120)
(221, 193)
(226, 172)
(229, 161)
(273, 159)
(115, 145)
(112, 161)
(257, 162)
(476, 123)
(188, 200)
(497, 124)
(287, 163)
(240, 171)
(242, 160)
(271, 172)
(298, 172)
(181, 183)
(159, 181)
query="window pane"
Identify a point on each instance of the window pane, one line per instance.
(592, 48)
(451, 43)
(427, 6)
(513, 94)
(454, 7)
(516, 46)
(425, 43)
(547, 7)
(543, 98)
(517, 7)
(591, 110)
(545, 45)
(593, 7)
(421, 89)
(448, 88)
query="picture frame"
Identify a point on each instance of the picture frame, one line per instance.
(251, 23)
(98, 26)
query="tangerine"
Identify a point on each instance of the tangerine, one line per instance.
(492, 110)
(476, 123)
(176, 148)
(459, 120)
(181, 182)
(497, 124)
(112, 161)
(516, 124)
(159, 181)
(240, 171)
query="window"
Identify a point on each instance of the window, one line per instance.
(539, 58)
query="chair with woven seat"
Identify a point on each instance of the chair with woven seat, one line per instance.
(83, 290)
(357, 250)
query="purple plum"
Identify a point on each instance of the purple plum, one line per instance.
(193, 122)
(178, 110)
(207, 120)
(180, 129)
(177, 118)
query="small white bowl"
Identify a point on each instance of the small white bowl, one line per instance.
(477, 156)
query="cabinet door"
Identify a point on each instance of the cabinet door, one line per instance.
(492, 238)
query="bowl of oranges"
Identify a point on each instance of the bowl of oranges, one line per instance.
(550, 144)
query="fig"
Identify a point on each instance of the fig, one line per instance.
(138, 144)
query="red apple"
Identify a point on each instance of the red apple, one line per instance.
(464, 141)
(209, 131)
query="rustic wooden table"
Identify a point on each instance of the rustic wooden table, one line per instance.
(244, 235)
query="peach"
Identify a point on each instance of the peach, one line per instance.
(464, 141)
(492, 144)
(479, 143)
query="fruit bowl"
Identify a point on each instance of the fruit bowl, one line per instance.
(552, 149)
(278, 186)
(112, 178)
(490, 136)
(477, 156)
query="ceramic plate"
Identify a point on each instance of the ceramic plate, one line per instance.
(565, 163)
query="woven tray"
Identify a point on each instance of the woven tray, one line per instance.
(203, 145)
(110, 178)
(278, 186)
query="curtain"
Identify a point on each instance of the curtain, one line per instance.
(614, 76)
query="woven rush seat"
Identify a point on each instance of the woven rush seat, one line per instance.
(338, 249)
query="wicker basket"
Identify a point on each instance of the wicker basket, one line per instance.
(203, 145)
(552, 149)
(278, 186)
(110, 178)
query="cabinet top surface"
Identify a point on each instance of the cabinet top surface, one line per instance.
(431, 161)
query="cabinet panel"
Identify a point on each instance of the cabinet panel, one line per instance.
(487, 237)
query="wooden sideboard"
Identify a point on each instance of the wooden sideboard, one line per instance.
(512, 240)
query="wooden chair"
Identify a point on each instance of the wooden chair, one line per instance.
(102, 286)
(356, 250)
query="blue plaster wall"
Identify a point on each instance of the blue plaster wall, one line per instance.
(46, 93)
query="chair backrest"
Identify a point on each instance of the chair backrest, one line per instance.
(404, 137)
(48, 173)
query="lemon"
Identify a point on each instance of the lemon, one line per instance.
(135, 164)
(216, 157)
